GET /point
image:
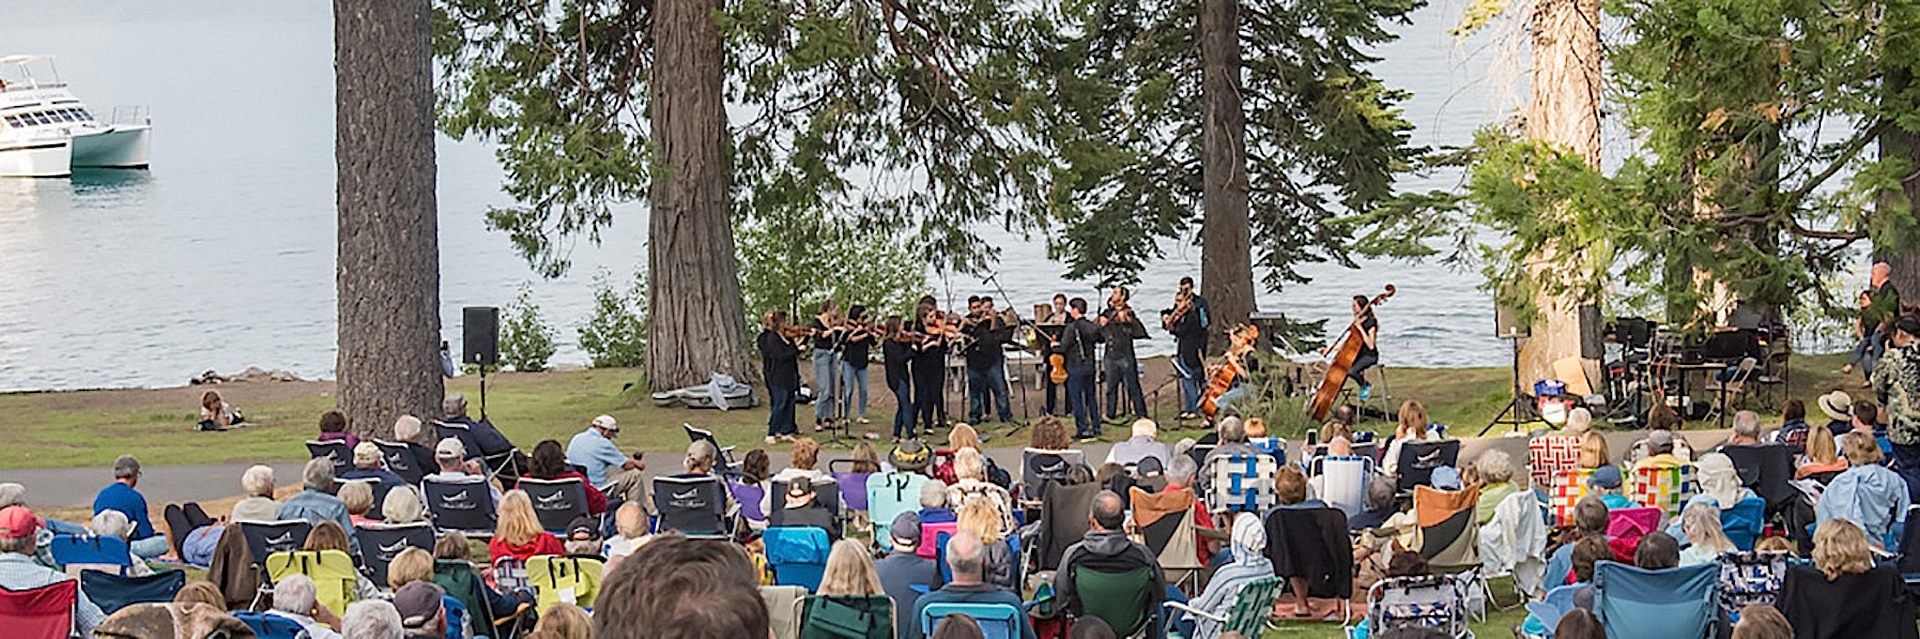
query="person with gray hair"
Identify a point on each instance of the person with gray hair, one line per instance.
(1232, 441)
(376, 619)
(933, 503)
(700, 456)
(123, 495)
(257, 484)
(967, 558)
(12, 494)
(18, 570)
(1495, 470)
(113, 523)
(1746, 429)
(403, 505)
(314, 505)
(1143, 444)
(1379, 505)
(296, 599)
(487, 438)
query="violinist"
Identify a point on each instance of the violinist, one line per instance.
(1119, 326)
(1369, 345)
(1079, 341)
(780, 364)
(1188, 322)
(898, 350)
(986, 360)
(929, 368)
(826, 331)
(1058, 318)
(856, 344)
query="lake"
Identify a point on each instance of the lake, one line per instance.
(221, 256)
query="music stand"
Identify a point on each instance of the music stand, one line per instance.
(1508, 328)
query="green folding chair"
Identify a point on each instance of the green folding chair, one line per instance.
(1251, 610)
(1125, 600)
(848, 617)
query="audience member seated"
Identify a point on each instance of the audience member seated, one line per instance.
(1180, 476)
(328, 535)
(1660, 451)
(1844, 595)
(1414, 426)
(803, 458)
(903, 568)
(1838, 407)
(1233, 441)
(564, 621)
(517, 533)
(408, 430)
(372, 620)
(257, 484)
(217, 414)
(1656, 551)
(1867, 494)
(756, 468)
(452, 569)
(122, 495)
(1761, 621)
(358, 497)
(489, 438)
(1589, 522)
(970, 469)
(1248, 549)
(312, 504)
(1705, 537)
(933, 504)
(630, 532)
(367, 465)
(681, 588)
(1793, 425)
(18, 571)
(450, 457)
(850, 572)
(1822, 462)
(1607, 484)
(200, 591)
(1579, 624)
(403, 505)
(866, 459)
(978, 517)
(113, 523)
(333, 427)
(583, 537)
(13, 494)
(1106, 549)
(295, 599)
(1586, 553)
(1379, 506)
(1746, 429)
(1495, 474)
(423, 610)
(1594, 452)
(550, 462)
(1141, 446)
(966, 558)
(191, 533)
(804, 508)
(612, 472)
(1864, 423)
(1579, 423)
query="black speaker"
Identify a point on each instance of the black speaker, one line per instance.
(1507, 325)
(480, 326)
(1592, 339)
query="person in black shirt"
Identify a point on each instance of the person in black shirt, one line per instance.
(1188, 323)
(1369, 345)
(929, 366)
(780, 361)
(1119, 327)
(986, 361)
(1078, 342)
(898, 352)
(855, 345)
(1058, 318)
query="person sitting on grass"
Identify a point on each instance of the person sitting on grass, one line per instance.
(333, 427)
(123, 495)
(518, 533)
(549, 462)
(217, 414)
(313, 505)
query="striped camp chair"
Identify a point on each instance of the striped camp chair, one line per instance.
(1547, 455)
(1666, 488)
(1241, 483)
(1568, 486)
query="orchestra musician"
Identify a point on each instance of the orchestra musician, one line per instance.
(1369, 345)
(929, 366)
(826, 331)
(856, 343)
(1078, 341)
(1119, 326)
(898, 351)
(1188, 321)
(780, 366)
(986, 360)
(1057, 318)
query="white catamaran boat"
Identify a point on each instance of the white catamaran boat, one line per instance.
(47, 132)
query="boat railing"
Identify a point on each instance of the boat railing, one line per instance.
(126, 115)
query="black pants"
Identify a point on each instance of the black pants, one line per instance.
(183, 519)
(1361, 363)
(927, 398)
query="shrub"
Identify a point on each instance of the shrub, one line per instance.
(526, 341)
(616, 334)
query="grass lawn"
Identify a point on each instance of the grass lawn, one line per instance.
(90, 428)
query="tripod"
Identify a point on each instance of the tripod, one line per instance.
(1513, 405)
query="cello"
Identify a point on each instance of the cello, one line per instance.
(1230, 368)
(1336, 377)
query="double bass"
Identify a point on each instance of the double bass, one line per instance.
(1231, 368)
(1329, 390)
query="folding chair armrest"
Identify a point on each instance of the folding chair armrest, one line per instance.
(1194, 611)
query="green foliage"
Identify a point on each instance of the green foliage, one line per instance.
(793, 262)
(526, 341)
(616, 334)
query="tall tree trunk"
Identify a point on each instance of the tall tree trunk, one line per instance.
(1226, 240)
(1900, 143)
(697, 319)
(1564, 110)
(388, 267)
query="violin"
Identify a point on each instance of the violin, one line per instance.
(1230, 367)
(1180, 310)
(1322, 400)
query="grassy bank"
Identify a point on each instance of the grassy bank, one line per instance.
(90, 428)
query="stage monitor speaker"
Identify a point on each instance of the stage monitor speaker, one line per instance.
(1593, 344)
(480, 327)
(1507, 325)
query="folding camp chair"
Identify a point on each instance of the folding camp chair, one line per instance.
(510, 573)
(1749, 578)
(1449, 538)
(1275, 446)
(1437, 602)
(568, 580)
(335, 451)
(691, 504)
(266, 626)
(748, 496)
(1125, 600)
(465, 505)
(75, 553)
(1670, 603)
(400, 460)
(1251, 608)
(1743, 521)
(266, 538)
(502, 465)
(846, 617)
(380, 544)
(1547, 455)
(1241, 483)
(1909, 562)
(46, 612)
(1566, 489)
(1768, 470)
(1419, 458)
(1625, 527)
(1165, 522)
(798, 555)
(1544, 615)
(1343, 482)
(332, 572)
(888, 495)
(111, 592)
(727, 466)
(1666, 488)
(997, 621)
(556, 502)
(853, 492)
(826, 493)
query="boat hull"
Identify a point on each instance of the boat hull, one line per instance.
(36, 159)
(121, 147)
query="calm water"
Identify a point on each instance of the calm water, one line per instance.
(221, 257)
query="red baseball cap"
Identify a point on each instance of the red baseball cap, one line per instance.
(17, 522)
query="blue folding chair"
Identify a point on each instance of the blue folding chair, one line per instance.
(1242, 483)
(112, 592)
(1544, 615)
(997, 621)
(1670, 603)
(1743, 521)
(798, 555)
(267, 626)
(91, 550)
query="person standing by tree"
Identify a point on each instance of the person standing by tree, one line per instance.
(1895, 380)
(780, 363)
(1188, 322)
(1879, 314)
(1078, 340)
(1119, 326)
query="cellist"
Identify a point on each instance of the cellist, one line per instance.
(1369, 345)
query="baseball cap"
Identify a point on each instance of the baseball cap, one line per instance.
(450, 448)
(366, 453)
(911, 455)
(906, 530)
(17, 522)
(1446, 478)
(1660, 438)
(607, 422)
(418, 603)
(1607, 477)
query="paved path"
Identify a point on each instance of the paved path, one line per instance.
(75, 487)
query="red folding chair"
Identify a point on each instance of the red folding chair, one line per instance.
(40, 613)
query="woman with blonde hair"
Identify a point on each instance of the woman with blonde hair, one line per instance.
(403, 505)
(358, 496)
(566, 621)
(518, 534)
(1844, 594)
(1822, 460)
(1868, 494)
(850, 571)
(977, 516)
(970, 471)
(1840, 547)
(866, 459)
(1701, 523)
(1413, 426)
(1593, 451)
(201, 591)
(330, 536)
